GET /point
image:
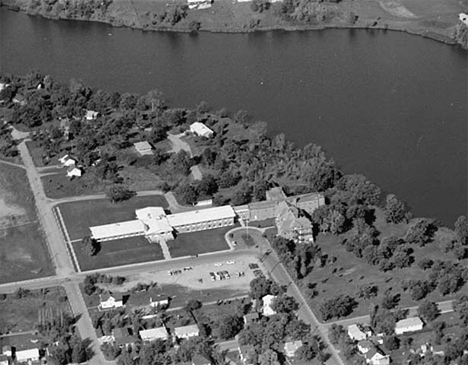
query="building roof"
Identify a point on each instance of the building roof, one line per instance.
(291, 347)
(107, 295)
(187, 331)
(251, 316)
(267, 301)
(154, 333)
(262, 205)
(366, 344)
(202, 215)
(200, 128)
(154, 219)
(245, 349)
(24, 355)
(142, 146)
(355, 332)
(275, 194)
(117, 229)
(409, 322)
(150, 213)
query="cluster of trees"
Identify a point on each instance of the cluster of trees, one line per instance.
(298, 258)
(90, 246)
(337, 307)
(70, 9)
(90, 282)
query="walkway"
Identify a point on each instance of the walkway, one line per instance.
(12, 164)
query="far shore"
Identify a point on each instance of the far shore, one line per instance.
(232, 17)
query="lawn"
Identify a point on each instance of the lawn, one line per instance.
(23, 249)
(348, 272)
(57, 186)
(119, 252)
(79, 216)
(21, 314)
(194, 243)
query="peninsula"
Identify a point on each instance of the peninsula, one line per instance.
(434, 19)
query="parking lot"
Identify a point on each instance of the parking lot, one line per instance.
(234, 273)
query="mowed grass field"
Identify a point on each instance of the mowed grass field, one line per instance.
(194, 243)
(79, 216)
(119, 252)
(23, 249)
(352, 272)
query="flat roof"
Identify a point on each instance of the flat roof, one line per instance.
(186, 330)
(117, 229)
(143, 145)
(150, 213)
(24, 355)
(413, 321)
(202, 215)
(159, 332)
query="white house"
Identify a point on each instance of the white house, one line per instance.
(153, 334)
(187, 331)
(201, 130)
(376, 357)
(67, 161)
(199, 4)
(409, 325)
(27, 355)
(143, 148)
(267, 300)
(291, 347)
(91, 115)
(464, 18)
(110, 301)
(74, 171)
(355, 333)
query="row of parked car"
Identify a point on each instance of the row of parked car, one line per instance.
(178, 272)
(220, 275)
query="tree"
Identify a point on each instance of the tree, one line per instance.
(259, 287)
(285, 304)
(119, 193)
(242, 195)
(421, 232)
(89, 245)
(391, 342)
(359, 190)
(339, 306)
(460, 305)
(259, 5)
(389, 300)
(229, 326)
(425, 263)
(207, 185)
(461, 230)
(269, 357)
(79, 351)
(186, 193)
(335, 333)
(367, 291)
(192, 305)
(394, 209)
(428, 310)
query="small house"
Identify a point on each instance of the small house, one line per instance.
(291, 347)
(91, 115)
(110, 301)
(19, 99)
(143, 148)
(161, 304)
(408, 325)
(375, 357)
(365, 346)
(251, 318)
(439, 350)
(267, 300)
(187, 331)
(73, 171)
(154, 334)
(200, 129)
(67, 161)
(355, 333)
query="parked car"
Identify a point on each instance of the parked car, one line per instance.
(170, 272)
(258, 273)
(219, 275)
(213, 277)
(188, 268)
(226, 274)
(234, 243)
(217, 264)
(230, 262)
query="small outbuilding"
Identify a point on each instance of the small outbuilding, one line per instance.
(291, 347)
(74, 171)
(267, 300)
(187, 331)
(154, 334)
(91, 115)
(355, 333)
(143, 148)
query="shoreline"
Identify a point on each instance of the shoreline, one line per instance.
(122, 22)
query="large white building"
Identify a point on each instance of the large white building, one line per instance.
(153, 223)
(201, 130)
(408, 325)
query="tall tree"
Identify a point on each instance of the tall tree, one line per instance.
(394, 209)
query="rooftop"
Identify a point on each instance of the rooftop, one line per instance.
(117, 229)
(154, 333)
(199, 216)
(409, 322)
(190, 330)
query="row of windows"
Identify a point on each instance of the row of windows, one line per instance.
(206, 225)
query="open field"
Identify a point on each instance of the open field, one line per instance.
(59, 186)
(36, 154)
(20, 314)
(186, 285)
(352, 272)
(23, 250)
(119, 252)
(81, 215)
(193, 243)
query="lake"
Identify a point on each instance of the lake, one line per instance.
(389, 105)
